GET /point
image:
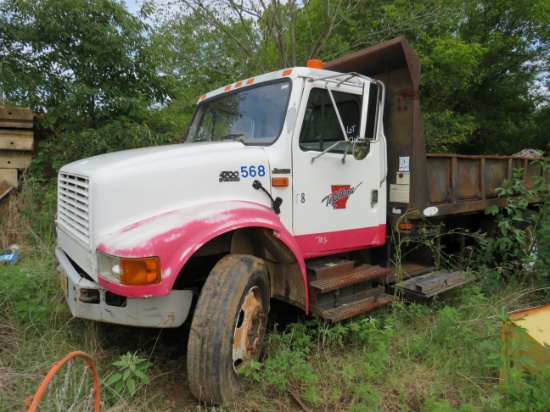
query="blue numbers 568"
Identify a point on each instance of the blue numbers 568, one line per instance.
(252, 171)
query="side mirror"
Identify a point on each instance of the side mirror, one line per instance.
(361, 149)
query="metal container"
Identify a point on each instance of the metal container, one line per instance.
(531, 329)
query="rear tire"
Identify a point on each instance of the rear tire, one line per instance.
(228, 327)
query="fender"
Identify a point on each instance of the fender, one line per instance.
(175, 236)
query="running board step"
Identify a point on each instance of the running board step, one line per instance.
(349, 310)
(358, 275)
(408, 270)
(329, 266)
(433, 283)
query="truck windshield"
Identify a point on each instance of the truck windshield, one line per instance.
(254, 115)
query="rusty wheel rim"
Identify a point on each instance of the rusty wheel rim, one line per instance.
(249, 329)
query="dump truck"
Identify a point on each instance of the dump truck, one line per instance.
(287, 185)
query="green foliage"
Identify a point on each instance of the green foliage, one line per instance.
(291, 365)
(39, 198)
(91, 73)
(446, 129)
(27, 295)
(510, 352)
(446, 126)
(543, 246)
(295, 357)
(27, 292)
(131, 371)
(542, 120)
(75, 59)
(151, 128)
(251, 370)
(418, 357)
(514, 38)
(521, 234)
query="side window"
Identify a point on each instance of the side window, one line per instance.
(321, 128)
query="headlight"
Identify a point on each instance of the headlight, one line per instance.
(129, 271)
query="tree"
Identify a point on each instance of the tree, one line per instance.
(241, 38)
(81, 61)
(479, 77)
(90, 71)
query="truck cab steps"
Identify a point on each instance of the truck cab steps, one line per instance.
(360, 274)
(339, 291)
(348, 310)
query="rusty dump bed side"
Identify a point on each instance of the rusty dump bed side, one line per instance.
(416, 180)
(460, 184)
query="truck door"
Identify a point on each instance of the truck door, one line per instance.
(339, 201)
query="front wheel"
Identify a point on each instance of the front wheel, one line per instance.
(228, 327)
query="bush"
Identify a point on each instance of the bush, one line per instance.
(522, 234)
(150, 128)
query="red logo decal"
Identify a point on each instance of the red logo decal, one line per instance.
(339, 196)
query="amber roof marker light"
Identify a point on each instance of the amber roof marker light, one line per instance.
(315, 64)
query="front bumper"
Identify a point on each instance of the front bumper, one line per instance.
(157, 311)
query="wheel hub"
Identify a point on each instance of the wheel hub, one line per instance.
(249, 329)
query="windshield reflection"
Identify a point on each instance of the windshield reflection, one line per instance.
(253, 116)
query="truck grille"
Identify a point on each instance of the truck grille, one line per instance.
(72, 205)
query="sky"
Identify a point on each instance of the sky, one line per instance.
(133, 5)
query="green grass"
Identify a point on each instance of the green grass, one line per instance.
(412, 357)
(37, 329)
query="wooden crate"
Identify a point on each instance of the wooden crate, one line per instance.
(15, 117)
(16, 145)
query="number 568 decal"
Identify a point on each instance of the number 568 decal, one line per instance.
(252, 171)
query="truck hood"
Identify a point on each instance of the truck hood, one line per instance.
(143, 183)
(118, 161)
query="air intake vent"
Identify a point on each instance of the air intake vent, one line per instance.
(72, 205)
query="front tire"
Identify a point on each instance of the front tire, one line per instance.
(228, 327)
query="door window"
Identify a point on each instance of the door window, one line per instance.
(321, 128)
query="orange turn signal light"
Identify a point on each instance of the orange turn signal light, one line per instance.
(279, 181)
(140, 271)
(315, 64)
(405, 226)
